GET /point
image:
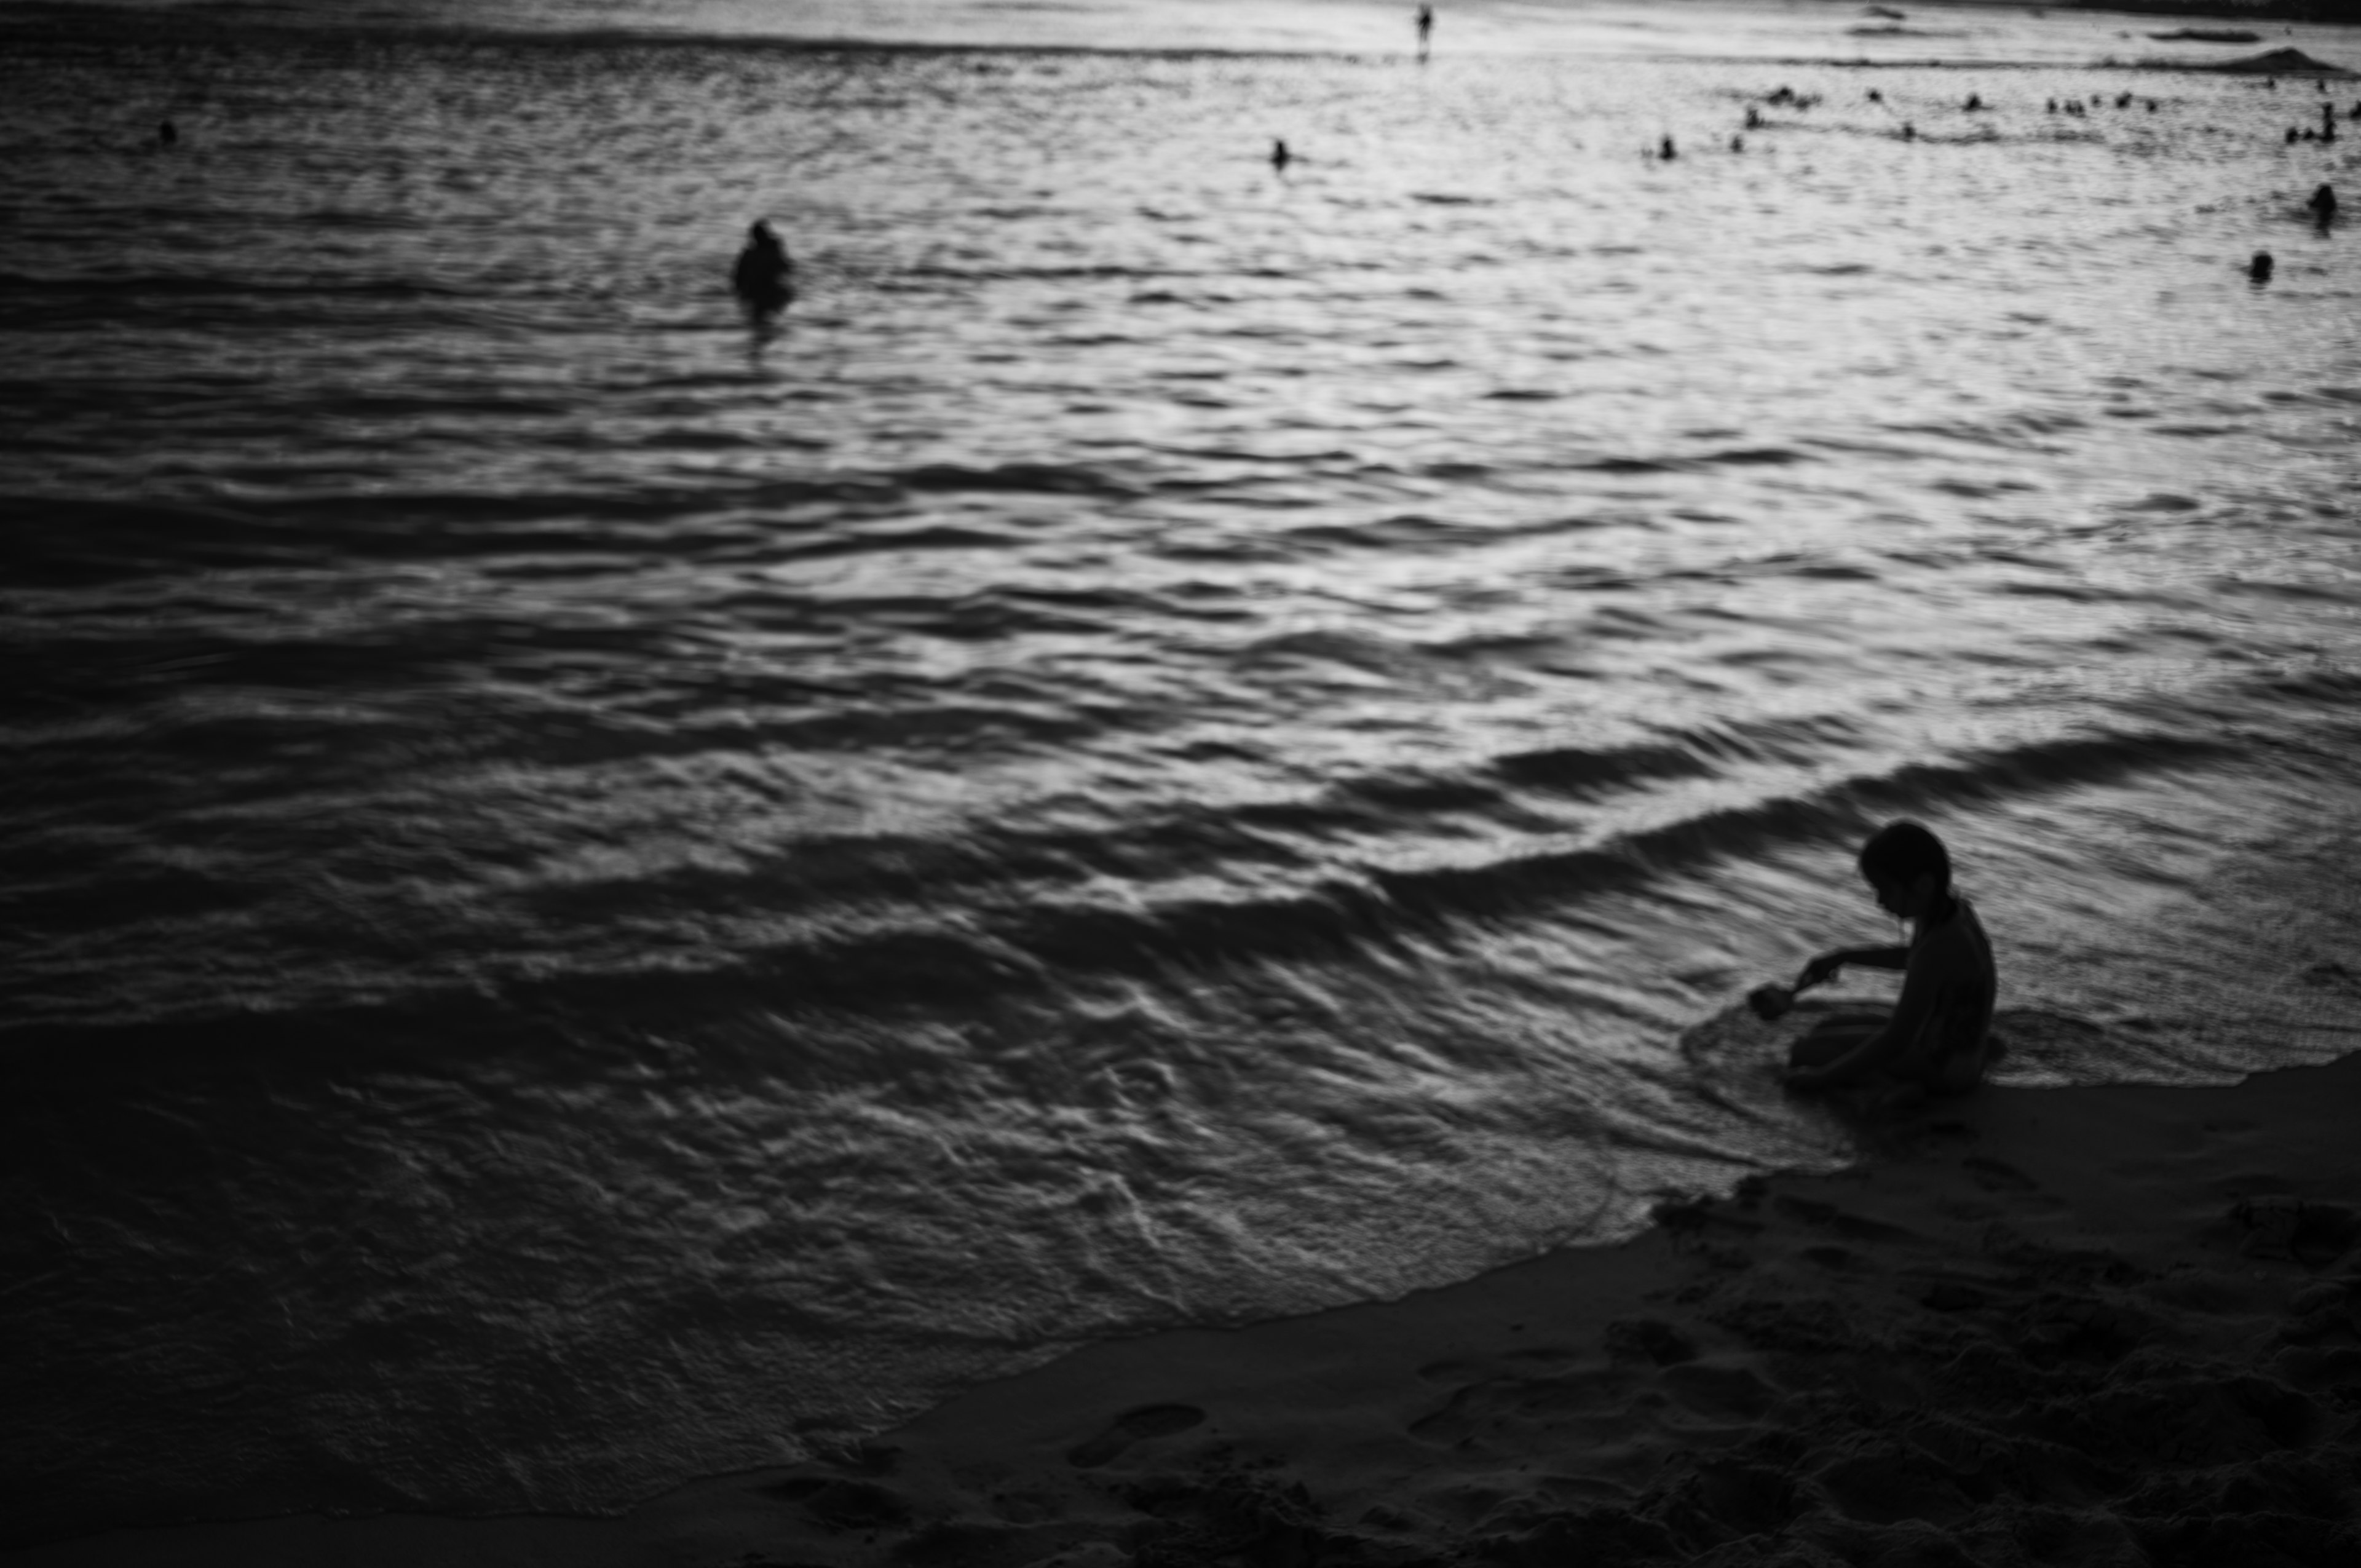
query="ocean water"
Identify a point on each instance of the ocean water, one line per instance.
(598, 896)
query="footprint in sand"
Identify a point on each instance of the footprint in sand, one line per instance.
(1998, 1176)
(1132, 1426)
(1828, 1217)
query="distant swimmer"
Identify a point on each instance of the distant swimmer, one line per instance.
(1279, 157)
(2050, 107)
(2122, 100)
(1425, 29)
(1974, 103)
(1737, 144)
(1909, 131)
(764, 279)
(168, 134)
(1667, 151)
(1754, 118)
(2328, 122)
(2260, 269)
(2324, 205)
(1877, 97)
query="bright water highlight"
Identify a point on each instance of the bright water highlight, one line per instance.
(599, 897)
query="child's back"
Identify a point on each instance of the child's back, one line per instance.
(1953, 1046)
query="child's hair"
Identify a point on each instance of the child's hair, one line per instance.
(1899, 851)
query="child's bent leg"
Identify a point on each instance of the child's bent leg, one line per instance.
(1832, 1037)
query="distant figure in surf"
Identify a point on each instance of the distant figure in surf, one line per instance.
(1667, 151)
(1939, 1036)
(1737, 144)
(1909, 131)
(2323, 206)
(764, 279)
(1425, 27)
(1877, 97)
(1975, 103)
(2328, 122)
(1754, 118)
(168, 134)
(1279, 157)
(2259, 270)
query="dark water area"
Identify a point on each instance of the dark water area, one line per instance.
(598, 896)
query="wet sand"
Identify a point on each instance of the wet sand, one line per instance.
(2081, 1326)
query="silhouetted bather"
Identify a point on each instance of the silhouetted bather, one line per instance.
(1279, 157)
(166, 134)
(1939, 1035)
(1667, 151)
(1974, 101)
(2324, 205)
(2260, 269)
(765, 277)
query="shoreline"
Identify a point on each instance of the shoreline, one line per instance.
(2098, 1325)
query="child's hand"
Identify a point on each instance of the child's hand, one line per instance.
(1819, 971)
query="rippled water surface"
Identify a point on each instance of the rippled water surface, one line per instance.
(598, 896)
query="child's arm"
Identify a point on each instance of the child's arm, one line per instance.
(1820, 969)
(1910, 1013)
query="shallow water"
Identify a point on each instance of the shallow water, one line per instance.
(600, 896)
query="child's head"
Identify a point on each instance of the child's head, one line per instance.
(1908, 867)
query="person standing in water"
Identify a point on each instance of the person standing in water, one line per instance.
(1425, 27)
(764, 279)
(1939, 1035)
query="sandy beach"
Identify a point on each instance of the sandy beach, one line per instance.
(2106, 1325)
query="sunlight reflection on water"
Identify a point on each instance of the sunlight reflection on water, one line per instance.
(1181, 744)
